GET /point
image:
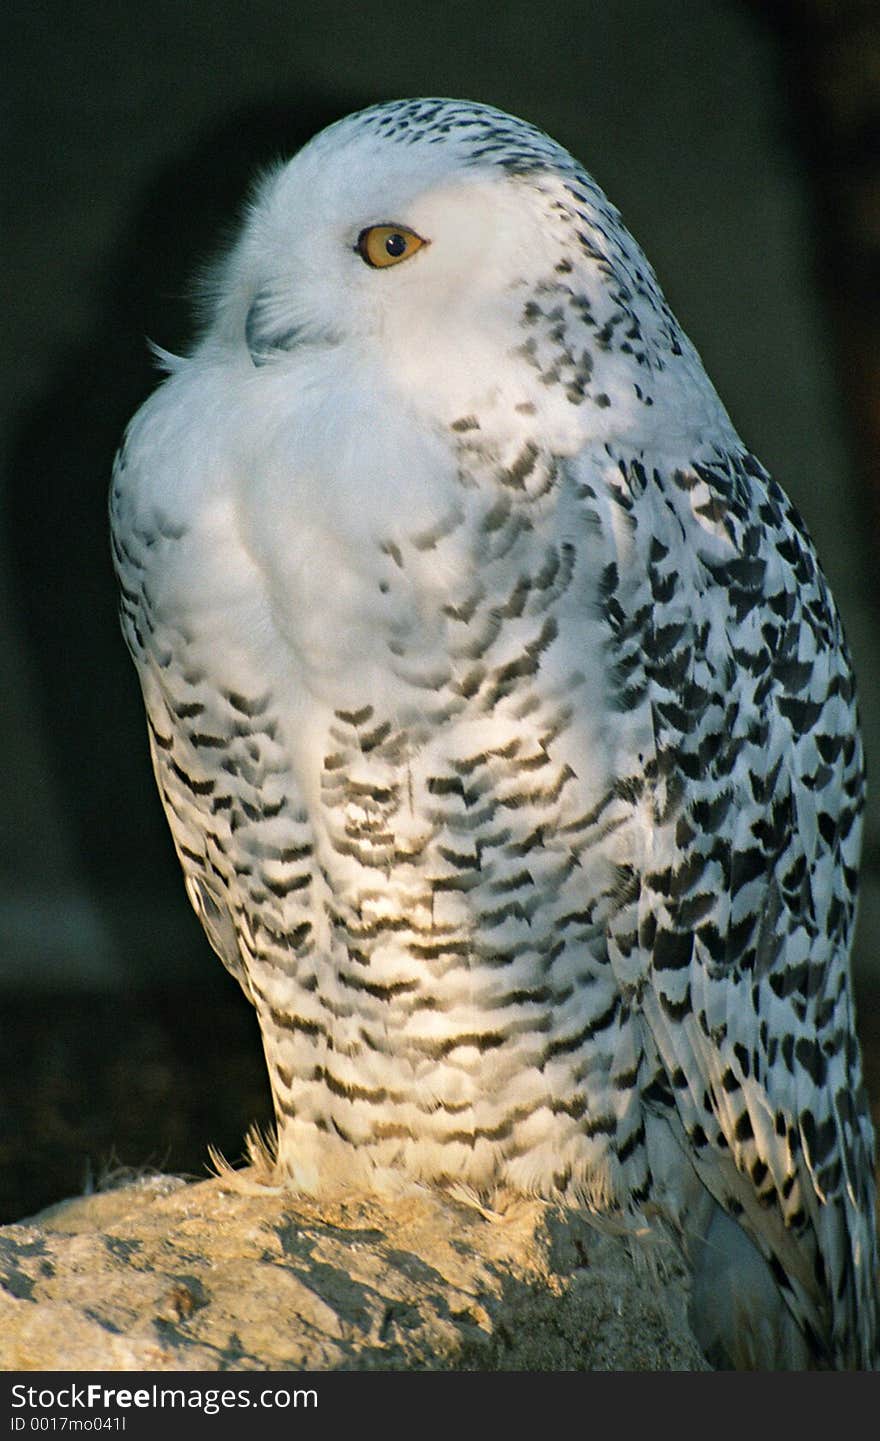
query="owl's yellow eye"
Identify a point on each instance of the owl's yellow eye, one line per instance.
(383, 245)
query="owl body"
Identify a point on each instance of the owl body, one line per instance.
(504, 724)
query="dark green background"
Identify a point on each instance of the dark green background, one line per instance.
(130, 134)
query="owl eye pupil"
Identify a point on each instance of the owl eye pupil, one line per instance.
(395, 244)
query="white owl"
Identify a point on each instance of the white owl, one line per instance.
(504, 723)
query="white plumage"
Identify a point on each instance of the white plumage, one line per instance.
(504, 723)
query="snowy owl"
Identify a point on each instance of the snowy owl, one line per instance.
(504, 723)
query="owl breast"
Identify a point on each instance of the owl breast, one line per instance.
(387, 776)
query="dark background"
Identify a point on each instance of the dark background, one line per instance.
(744, 156)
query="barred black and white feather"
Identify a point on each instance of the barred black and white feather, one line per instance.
(505, 726)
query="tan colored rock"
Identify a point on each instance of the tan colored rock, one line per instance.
(226, 1275)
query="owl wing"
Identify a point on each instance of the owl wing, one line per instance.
(735, 938)
(191, 725)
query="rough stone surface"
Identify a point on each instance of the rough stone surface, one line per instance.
(227, 1274)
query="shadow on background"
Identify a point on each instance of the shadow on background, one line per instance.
(149, 1075)
(93, 727)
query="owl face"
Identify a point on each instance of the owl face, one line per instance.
(456, 263)
(415, 263)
